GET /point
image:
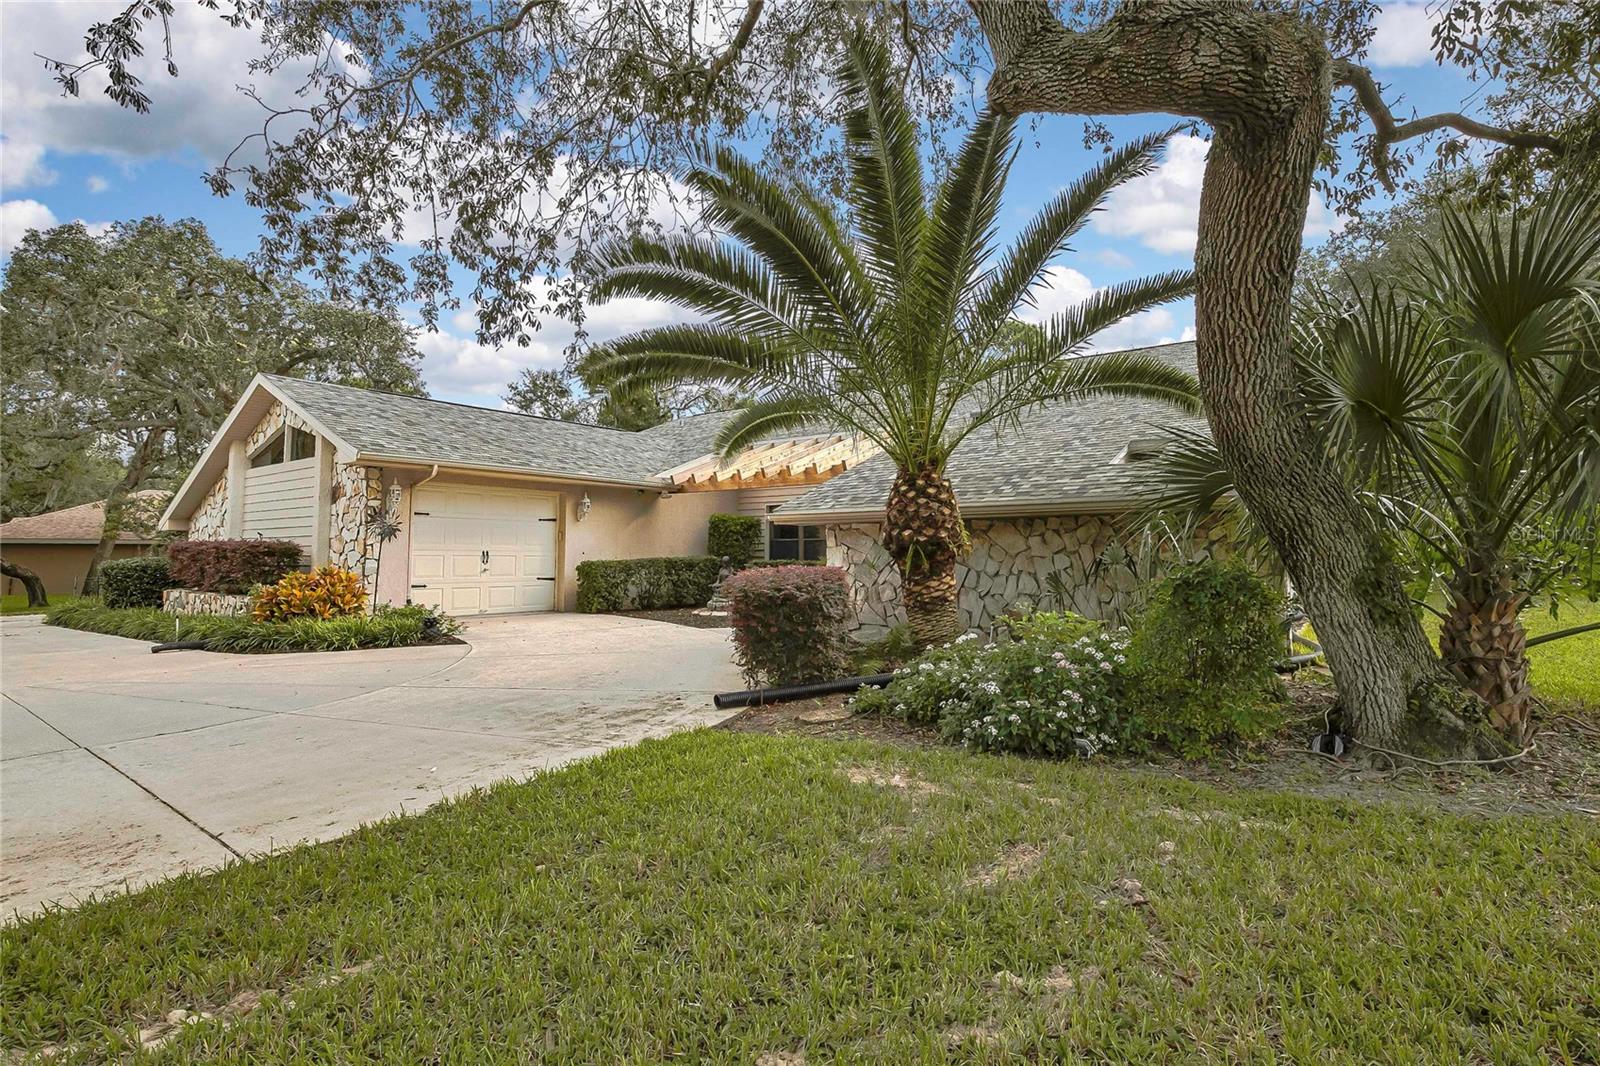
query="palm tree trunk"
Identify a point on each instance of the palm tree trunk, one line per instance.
(923, 533)
(1483, 643)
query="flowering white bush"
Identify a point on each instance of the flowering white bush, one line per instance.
(1033, 696)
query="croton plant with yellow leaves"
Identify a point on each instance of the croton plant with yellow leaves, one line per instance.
(326, 592)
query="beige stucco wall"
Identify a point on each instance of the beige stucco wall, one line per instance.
(62, 567)
(622, 523)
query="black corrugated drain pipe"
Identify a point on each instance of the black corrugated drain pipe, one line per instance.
(180, 645)
(755, 697)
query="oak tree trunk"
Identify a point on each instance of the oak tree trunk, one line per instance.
(924, 534)
(30, 582)
(1263, 82)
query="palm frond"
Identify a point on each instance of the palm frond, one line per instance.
(1012, 282)
(672, 355)
(883, 153)
(766, 420)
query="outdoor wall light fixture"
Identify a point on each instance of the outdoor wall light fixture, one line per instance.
(394, 499)
(583, 507)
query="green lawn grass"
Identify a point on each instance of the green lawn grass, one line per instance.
(715, 896)
(1566, 671)
(19, 604)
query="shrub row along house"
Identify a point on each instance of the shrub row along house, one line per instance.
(485, 511)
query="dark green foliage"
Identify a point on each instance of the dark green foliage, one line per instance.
(889, 652)
(646, 584)
(789, 623)
(136, 582)
(388, 627)
(736, 537)
(231, 565)
(1204, 654)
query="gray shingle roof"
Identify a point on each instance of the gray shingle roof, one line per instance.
(1061, 456)
(435, 431)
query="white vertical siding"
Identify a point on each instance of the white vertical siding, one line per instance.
(280, 502)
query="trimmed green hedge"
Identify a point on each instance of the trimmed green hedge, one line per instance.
(734, 536)
(136, 582)
(646, 584)
(390, 627)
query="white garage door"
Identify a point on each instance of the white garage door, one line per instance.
(483, 551)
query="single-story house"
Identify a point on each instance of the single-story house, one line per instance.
(59, 545)
(495, 509)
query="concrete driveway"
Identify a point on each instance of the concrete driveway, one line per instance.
(119, 767)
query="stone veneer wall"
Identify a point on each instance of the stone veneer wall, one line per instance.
(1011, 558)
(210, 519)
(193, 601)
(356, 491)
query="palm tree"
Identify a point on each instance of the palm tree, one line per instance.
(1464, 399)
(895, 320)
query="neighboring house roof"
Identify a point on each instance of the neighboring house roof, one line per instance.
(1058, 458)
(73, 525)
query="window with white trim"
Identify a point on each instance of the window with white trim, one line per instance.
(795, 543)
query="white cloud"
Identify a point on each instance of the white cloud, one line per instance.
(22, 164)
(1162, 209)
(17, 217)
(1402, 36)
(201, 110)
(96, 184)
(456, 366)
(1068, 287)
(1112, 258)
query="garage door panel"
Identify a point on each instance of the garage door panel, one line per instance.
(516, 529)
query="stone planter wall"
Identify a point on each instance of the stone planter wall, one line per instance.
(193, 601)
(1011, 559)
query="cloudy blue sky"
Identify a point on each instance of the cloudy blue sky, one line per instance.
(87, 159)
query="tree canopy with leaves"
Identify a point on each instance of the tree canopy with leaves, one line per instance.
(133, 345)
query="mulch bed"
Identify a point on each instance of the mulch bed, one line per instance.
(682, 616)
(1561, 774)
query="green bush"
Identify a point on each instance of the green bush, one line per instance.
(790, 623)
(735, 537)
(1034, 697)
(136, 582)
(1059, 627)
(889, 652)
(1204, 652)
(388, 627)
(646, 584)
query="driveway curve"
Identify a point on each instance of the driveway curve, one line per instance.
(119, 767)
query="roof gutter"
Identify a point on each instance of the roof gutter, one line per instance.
(438, 467)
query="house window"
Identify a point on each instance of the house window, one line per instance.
(300, 445)
(795, 543)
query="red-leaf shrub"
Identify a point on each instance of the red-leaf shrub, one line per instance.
(789, 623)
(230, 565)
